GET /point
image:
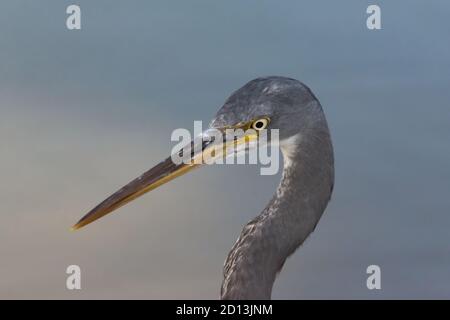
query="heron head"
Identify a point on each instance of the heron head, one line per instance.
(286, 103)
(262, 104)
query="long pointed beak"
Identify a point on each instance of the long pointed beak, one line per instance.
(160, 174)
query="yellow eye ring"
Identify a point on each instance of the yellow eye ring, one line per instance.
(260, 124)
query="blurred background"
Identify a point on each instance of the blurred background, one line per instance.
(84, 112)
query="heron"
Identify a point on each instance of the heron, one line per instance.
(302, 195)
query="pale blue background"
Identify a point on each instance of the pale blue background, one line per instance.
(83, 112)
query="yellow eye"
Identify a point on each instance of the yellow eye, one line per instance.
(260, 124)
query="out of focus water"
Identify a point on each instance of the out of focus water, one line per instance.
(83, 112)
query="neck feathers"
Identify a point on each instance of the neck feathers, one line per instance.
(291, 215)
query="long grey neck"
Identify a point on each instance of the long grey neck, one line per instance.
(291, 215)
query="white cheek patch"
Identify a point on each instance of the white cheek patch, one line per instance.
(288, 148)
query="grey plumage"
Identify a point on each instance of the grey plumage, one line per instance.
(304, 191)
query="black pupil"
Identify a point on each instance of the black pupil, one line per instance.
(259, 124)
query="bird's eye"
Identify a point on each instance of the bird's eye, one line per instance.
(260, 124)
